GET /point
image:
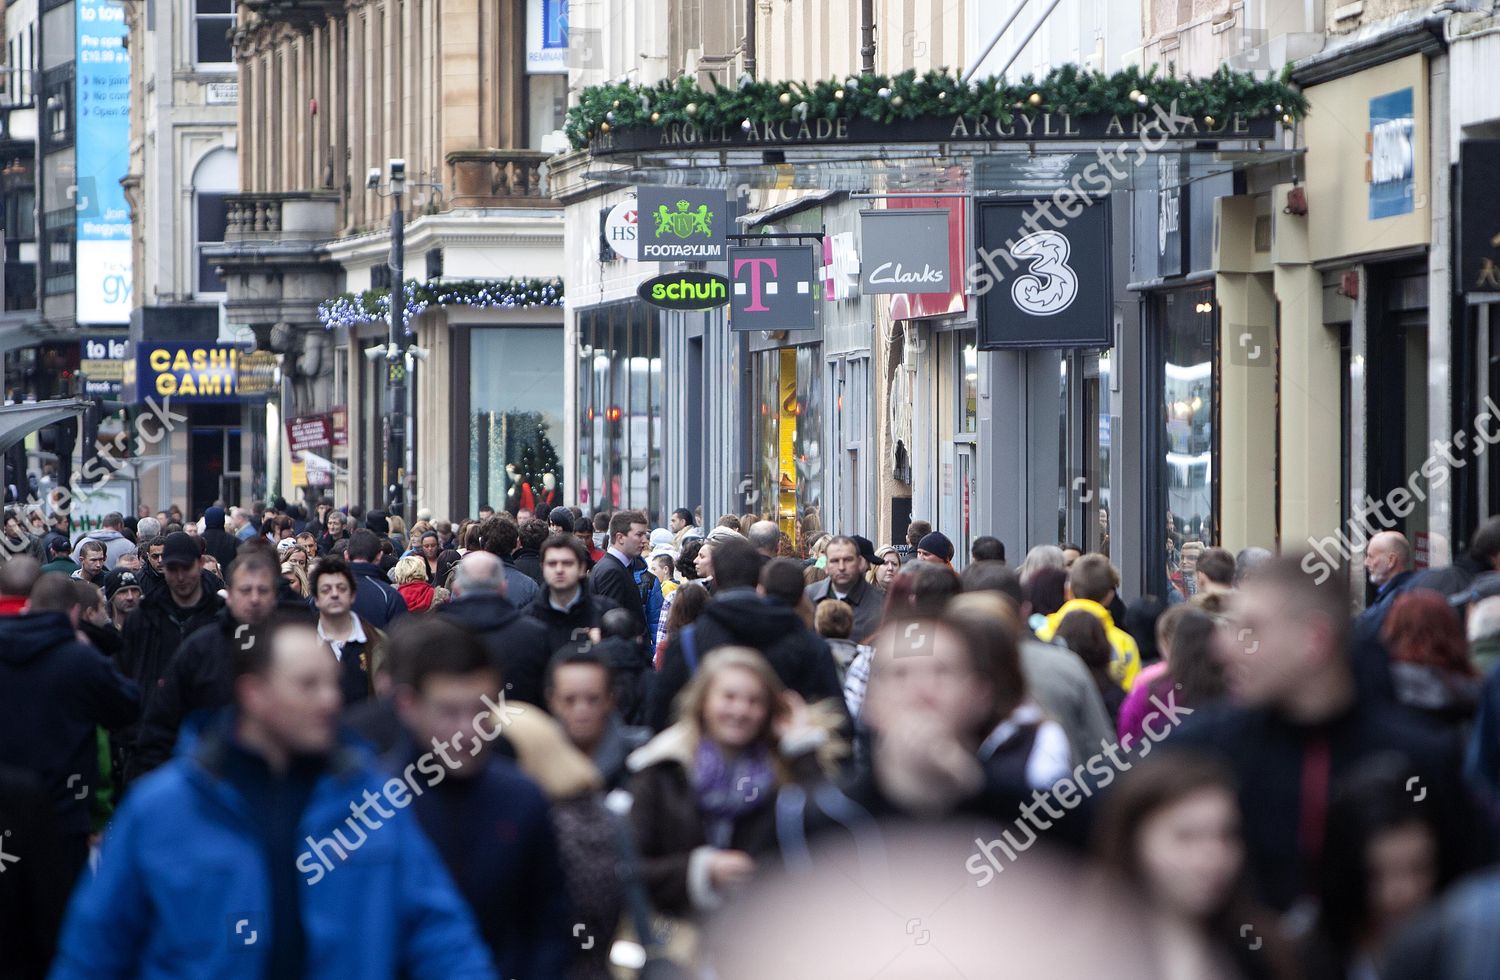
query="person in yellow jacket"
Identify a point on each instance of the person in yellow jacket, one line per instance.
(1091, 587)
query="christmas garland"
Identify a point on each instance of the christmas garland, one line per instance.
(886, 99)
(353, 309)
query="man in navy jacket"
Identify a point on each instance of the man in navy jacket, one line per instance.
(375, 599)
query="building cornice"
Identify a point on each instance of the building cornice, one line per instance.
(1377, 44)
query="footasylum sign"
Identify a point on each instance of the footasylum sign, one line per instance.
(681, 225)
(685, 291)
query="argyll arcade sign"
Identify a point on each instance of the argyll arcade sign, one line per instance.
(1019, 125)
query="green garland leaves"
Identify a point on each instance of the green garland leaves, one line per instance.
(939, 93)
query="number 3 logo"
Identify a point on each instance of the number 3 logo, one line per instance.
(1048, 252)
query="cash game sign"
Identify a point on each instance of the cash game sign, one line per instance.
(678, 225)
(188, 373)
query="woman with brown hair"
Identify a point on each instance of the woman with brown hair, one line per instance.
(705, 788)
(1171, 831)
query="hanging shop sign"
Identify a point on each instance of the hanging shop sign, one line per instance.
(194, 373)
(1038, 285)
(904, 250)
(1171, 208)
(1478, 216)
(681, 225)
(840, 270)
(307, 432)
(1392, 165)
(772, 287)
(622, 231)
(101, 361)
(685, 291)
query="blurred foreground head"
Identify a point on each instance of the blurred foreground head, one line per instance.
(904, 908)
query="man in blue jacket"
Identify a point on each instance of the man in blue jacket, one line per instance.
(375, 599)
(254, 853)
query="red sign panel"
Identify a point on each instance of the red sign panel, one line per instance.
(308, 432)
(910, 306)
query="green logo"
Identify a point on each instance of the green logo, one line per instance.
(684, 223)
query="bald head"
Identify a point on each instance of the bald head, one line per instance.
(1388, 555)
(479, 573)
(18, 575)
(764, 537)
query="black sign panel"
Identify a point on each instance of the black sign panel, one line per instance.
(685, 291)
(1171, 213)
(772, 287)
(1479, 216)
(678, 224)
(1040, 285)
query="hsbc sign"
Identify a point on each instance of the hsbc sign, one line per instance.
(621, 231)
(772, 287)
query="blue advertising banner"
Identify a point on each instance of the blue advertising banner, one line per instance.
(1393, 155)
(102, 98)
(191, 373)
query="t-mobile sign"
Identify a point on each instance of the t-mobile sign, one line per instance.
(773, 287)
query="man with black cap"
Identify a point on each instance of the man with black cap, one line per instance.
(217, 541)
(848, 560)
(935, 547)
(59, 555)
(123, 591)
(164, 619)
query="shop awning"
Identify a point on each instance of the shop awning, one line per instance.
(19, 421)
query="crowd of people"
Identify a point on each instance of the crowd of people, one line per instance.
(316, 742)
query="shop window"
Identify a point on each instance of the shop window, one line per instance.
(619, 408)
(1189, 409)
(214, 179)
(515, 420)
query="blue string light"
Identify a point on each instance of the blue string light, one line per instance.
(374, 305)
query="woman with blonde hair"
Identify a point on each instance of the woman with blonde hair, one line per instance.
(705, 788)
(296, 577)
(410, 578)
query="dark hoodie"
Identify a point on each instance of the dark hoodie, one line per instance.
(516, 642)
(741, 617)
(54, 692)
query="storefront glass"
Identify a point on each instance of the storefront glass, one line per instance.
(619, 408)
(788, 420)
(515, 416)
(1189, 408)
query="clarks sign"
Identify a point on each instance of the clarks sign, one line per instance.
(1017, 125)
(685, 291)
(904, 251)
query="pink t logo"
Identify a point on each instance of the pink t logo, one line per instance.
(756, 306)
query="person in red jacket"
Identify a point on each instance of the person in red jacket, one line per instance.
(16, 578)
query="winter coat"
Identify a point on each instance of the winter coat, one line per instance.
(420, 597)
(866, 600)
(154, 631)
(34, 889)
(1127, 657)
(1059, 682)
(741, 617)
(54, 692)
(529, 562)
(375, 598)
(221, 544)
(493, 831)
(567, 629)
(516, 642)
(183, 888)
(669, 830)
(633, 588)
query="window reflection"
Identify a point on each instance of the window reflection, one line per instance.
(1189, 407)
(619, 408)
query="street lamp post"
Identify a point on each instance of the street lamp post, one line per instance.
(399, 355)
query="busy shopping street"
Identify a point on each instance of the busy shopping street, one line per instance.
(745, 489)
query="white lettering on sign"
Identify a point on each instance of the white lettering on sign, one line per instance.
(894, 273)
(1392, 156)
(1169, 215)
